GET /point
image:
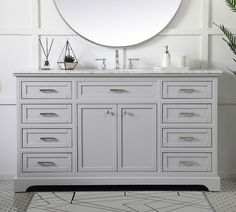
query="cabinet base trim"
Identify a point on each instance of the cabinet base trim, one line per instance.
(22, 184)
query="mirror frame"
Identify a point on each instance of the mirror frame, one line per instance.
(121, 44)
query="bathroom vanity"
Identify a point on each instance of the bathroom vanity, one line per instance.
(122, 127)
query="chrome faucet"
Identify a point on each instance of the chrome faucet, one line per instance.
(117, 62)
(131, 65)
(103, 65)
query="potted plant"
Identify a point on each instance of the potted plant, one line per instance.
(67, 60)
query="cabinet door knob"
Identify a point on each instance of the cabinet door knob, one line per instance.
(110, 113)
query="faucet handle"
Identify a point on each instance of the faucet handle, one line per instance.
(131, 65)
(103, 65)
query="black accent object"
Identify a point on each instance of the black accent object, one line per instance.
(81, 188)
(46, 63)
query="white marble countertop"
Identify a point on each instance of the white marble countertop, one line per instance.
(120, 72)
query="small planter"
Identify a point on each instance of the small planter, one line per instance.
(67, 66)
(67, 59)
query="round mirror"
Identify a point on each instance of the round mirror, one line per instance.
(117, 23)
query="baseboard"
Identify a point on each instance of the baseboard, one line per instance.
(226, 100)
(8, 101)
(9, 176)
(227, 175)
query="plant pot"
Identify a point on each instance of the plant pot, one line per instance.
(67, 66)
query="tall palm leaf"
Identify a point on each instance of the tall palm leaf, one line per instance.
(230, 38)
(231, 4)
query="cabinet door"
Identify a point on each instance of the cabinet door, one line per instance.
(97, 149)
(137, 137)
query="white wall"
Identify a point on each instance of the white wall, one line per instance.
(191, 32)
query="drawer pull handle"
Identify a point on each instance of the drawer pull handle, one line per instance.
(188, 139)
(185, 90)
(46, 164)
(48, 139)
(48, 90)
(118, 90)
(48, 115)
(187, 114)
(188, 163)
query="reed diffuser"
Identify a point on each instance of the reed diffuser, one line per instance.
(46, 52)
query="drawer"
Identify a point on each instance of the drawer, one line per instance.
(187, 90)
(117, 89)
(186, 162)
(177, 138)
(46, 90)
(187, 113)
(47, 138)
(38, 114)
(37, 162)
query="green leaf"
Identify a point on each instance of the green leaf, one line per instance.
(230, 38)
(231, 4)
(69, 59)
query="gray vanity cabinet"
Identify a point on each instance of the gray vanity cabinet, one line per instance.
(122, 128)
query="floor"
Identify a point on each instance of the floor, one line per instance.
(161, 201)
(224, 201)
(11, 202)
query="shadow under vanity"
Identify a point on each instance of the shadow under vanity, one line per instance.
(117, 127)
